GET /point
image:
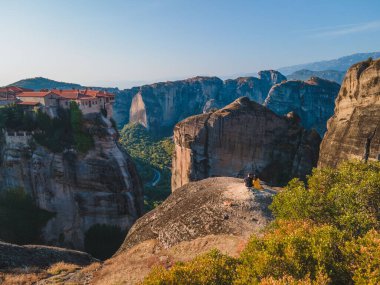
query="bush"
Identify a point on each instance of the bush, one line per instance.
(363, 257)
(21, 220)
(300, 249)
(347, 197)
(211, 268)
(102, 241)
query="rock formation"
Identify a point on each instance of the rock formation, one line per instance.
(15, 256)
(213, 213)
(313, 100)
(243, 136)
(99, 187)
(356, 117)
(305, 74)
(160, 106)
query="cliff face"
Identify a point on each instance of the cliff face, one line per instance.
(161, 105)
(305, 74)
(356, 117)
(99, 187)
(242, 137)
(313, 100)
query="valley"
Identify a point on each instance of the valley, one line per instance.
(158, 196)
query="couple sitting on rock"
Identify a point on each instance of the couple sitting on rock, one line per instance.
(252, 182)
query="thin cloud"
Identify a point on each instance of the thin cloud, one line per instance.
(343, 30)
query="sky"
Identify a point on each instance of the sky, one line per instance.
(119, 43)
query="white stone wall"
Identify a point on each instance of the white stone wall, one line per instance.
(19, 138)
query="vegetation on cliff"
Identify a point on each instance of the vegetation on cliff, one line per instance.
(149, 152)
(67, 130)
(21, 220)
(324, 232)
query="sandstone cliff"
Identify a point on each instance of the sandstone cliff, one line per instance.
(212, 213)
(242, 137)
(356, 117)
(160, 106)
(99, 187)
(313, 100)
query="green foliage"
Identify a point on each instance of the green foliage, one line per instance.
(149, 152)
(363, 257)
(13, 117)
(211, 268)
(20, 219)
(65, 131)
(324, 233)
(82, 140)
(299, 249)
(347, 197)
(141, 144)
(102, 241)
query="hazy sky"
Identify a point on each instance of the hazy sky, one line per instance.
(111, 42)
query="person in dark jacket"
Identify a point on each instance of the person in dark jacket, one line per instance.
(248, 181)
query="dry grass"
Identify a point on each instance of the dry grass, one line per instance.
(31, 275)
(21, 278)
(61, 267)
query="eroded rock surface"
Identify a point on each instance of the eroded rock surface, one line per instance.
(99, 187)
(213, 206)
(313, 100)
(243, 137)
(356, 117)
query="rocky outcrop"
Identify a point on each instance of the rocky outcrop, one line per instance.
(242, 137)
(313, 100)
(161, 105)
(356, 117)
(215, 213)
(214, 206)
(99, 187)
(15, 256)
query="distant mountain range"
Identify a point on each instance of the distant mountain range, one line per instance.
(333, 70)
(305, 74)
(340, 64)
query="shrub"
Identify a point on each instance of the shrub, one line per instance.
(300, 249)
(102, 241)
(21, 220)
(211, 268)
(347, 197)
(363, 257)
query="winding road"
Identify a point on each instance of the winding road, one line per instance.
(156, 178)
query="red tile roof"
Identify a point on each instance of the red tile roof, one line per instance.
(68, 94)
(35, 94)
(13, 89)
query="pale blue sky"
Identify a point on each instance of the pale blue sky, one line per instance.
(110, 42)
